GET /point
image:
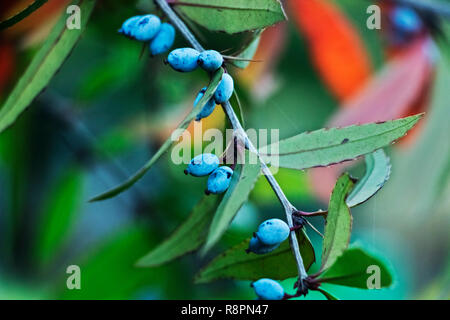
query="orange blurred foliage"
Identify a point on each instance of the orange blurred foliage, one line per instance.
(336, 48)
(35, 21)
(269, 49)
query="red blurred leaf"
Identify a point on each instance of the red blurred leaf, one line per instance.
(7, 64)
(393, 92)
(399, 90)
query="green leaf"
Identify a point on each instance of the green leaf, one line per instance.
(330, 146)
(22, 14)
(232, 16)
(58, 214)
(116, 255)
(215, 80)
(378, 170)
(242, 183)
(235, 263)
(187, 238)
(248, 52)
(351, 269)
(327, 294)
(338, 223)
(45, 64)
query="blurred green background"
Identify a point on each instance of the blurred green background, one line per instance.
(107, 111)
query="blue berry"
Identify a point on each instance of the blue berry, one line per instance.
(146, 27)
(202, 165)
(210, 60)
(406, 20)
(273, 231)
(225, 89)
(183, 59)
(163, 40)
(200, 95)
(129, 26)
(208, 108)
(256, 246)
(219, 180)
(268, 289)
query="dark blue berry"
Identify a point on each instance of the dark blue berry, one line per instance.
(219, 180)
(272, 232)
(202, 165)
(146, 27)
(224, 90)
(268, 289)
(256, 246)
(163, 40)
(207, 109)
(210, 60)
(183, 59)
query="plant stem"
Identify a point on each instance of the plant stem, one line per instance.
(241, 134)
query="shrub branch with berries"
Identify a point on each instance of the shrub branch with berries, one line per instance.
(264, 258)
(278, 249)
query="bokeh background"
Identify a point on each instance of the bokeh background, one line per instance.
(109, 108)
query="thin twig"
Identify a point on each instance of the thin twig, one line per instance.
(241, 134)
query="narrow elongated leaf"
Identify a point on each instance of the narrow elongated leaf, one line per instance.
(44, 65)
(338, 224)
(187, 238)
(117, 254)
(327, 294)
(58, 215)
(168, 143)
(243, 181)
(235, 263)
(330, 146)
(232, 16)
(248, 52)
(22, 14)
(378, 170)
(353, 269)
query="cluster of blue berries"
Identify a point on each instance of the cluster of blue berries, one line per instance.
(270, 234)
(188, 59)
(208, 164)
(148, 28)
